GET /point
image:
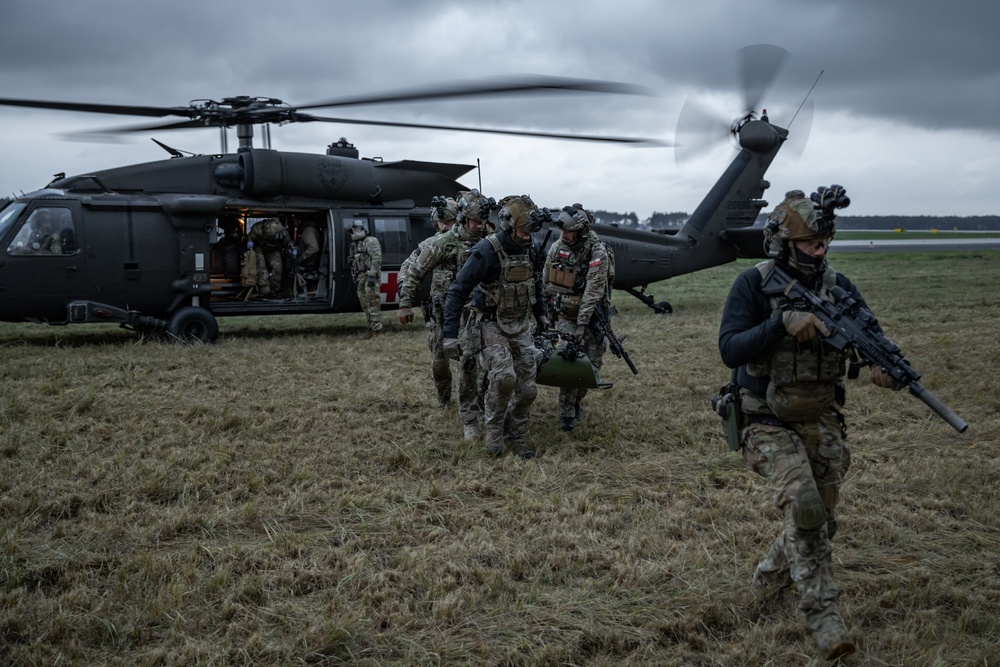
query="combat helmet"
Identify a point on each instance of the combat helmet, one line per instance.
(799, 217)
(518, 213)
(444, 210)
(358, 230)
(473, 206)
(574, 219)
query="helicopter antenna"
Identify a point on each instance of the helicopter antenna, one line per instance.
(170, 149)
(805, 98)
(479, 169)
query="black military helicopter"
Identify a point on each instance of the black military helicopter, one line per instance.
(158, 246)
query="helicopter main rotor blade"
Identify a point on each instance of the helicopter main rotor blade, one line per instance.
(106, 133)
(759, 64)
(119, 109)
(640, 141)
(501, 86)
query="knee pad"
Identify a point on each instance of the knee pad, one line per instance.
(808, 512)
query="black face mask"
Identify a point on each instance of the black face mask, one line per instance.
(806, 264)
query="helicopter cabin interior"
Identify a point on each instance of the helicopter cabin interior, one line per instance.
(313, 276)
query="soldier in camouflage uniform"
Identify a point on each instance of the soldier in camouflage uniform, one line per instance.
(502, 276)
(268, 239)
(577, 278)
(448, 252)
(792, 390)
(438, 257)
(365, 259)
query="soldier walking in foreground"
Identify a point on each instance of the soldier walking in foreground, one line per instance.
(365, 258)
(442, 268)
(577, 278)
(445, 254)
(791, 389)
(501, 274)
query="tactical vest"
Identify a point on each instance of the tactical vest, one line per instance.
(803, 377)
(567, 276)
(513, 293)
(361, 259)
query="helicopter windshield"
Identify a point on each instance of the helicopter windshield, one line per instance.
(8, 215)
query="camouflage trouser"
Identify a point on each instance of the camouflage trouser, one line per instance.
(471, 380)
(804, 464)
(570, 398)
(509, 362)
(269, 270)
(371, 302)
(440, 364)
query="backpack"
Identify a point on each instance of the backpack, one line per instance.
(248, 275)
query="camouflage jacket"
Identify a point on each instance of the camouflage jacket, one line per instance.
(366, 258)
(268, 233)
(443, 254)
(577, 280)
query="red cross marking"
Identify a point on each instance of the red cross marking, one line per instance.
(390, 285)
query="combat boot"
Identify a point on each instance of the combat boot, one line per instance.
(566, 423)
(444, 397)
(493, 441)
(520, 445)
(472, 432)
(830, 634)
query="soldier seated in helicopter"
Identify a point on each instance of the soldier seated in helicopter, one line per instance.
(48, 231)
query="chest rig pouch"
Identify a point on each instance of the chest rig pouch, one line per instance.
(514, 292)
(361, 261)
(567, 276)
(803, 376)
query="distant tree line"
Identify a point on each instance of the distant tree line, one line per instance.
(677, 219)
(924, 222)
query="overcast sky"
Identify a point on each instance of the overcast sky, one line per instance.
(906, 113)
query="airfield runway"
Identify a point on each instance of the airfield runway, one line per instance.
(915, 245)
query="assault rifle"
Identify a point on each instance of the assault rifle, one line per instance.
(601, 321)
(851, 325)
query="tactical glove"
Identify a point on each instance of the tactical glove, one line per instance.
(451, 348)
(372, 282)
(543, 323)
(881, 378)
(404, 315)
(579, 332)
(804, 326)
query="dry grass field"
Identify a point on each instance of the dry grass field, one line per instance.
(291, 496)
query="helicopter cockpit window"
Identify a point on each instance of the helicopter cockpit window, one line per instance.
(8, 215)
(49, 230)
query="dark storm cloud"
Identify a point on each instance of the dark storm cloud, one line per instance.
(892, 69)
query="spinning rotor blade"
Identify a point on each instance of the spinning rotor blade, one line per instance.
(759, 65)
(502, 86)
(795, 145)
(120, 109)
(243, 110)
(698, 130)
(484, 130)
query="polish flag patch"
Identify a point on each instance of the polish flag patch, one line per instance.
(595, 262)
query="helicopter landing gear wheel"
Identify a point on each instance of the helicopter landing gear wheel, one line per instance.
(659, 307)
(193, 324)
